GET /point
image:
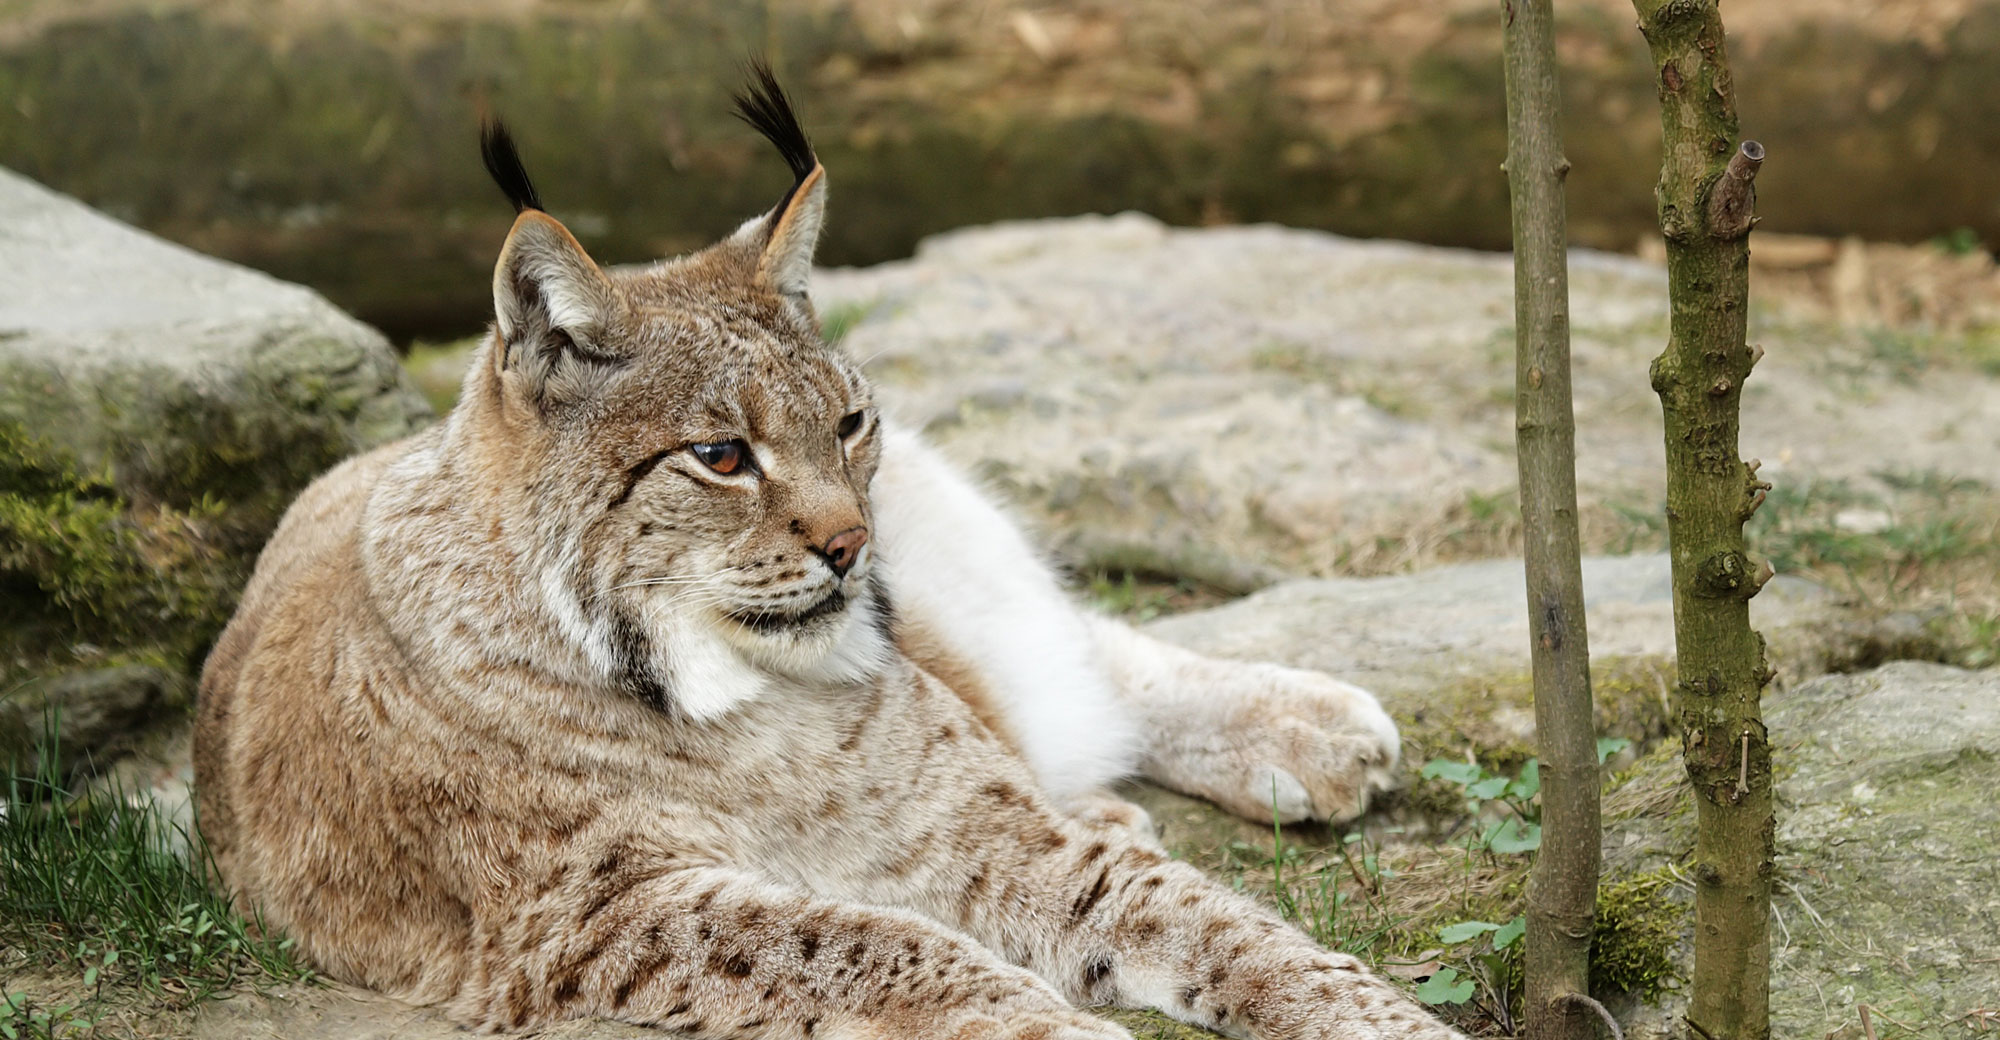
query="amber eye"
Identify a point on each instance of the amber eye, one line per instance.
(724, 457)
(850, 423)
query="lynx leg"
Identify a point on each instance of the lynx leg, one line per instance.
(1086, 699)
(714, 954)
(1110, 921)
(1257, 739)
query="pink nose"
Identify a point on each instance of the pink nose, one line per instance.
(844, 548)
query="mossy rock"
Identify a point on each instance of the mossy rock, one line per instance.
(1887, 832)
(158, 411)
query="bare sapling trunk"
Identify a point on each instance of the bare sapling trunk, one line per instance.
(1706, 207)
(1562, 890)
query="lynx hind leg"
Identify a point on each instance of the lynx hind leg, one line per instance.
(1259, 740)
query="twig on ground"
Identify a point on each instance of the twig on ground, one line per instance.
(1603, 1013)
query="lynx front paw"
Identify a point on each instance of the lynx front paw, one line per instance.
(1327, 997)
(1295, 744)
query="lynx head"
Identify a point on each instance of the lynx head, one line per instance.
(695, 457)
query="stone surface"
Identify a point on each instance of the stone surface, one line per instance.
(96, 712)
(158, 410)
(1888, 852)
(1230, 403)
(1446, 650)
(1407, 634)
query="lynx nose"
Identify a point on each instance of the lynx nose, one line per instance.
(843, 549)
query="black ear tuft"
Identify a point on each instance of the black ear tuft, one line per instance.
(763, 104)
(496, 146)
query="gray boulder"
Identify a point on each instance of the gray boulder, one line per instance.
(1232, 403)
(158, 410)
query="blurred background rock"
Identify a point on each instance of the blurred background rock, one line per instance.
(330, 142)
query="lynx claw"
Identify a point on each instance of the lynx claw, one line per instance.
(1282, 791)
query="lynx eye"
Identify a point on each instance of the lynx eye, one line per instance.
(724, 457)
(850, 423)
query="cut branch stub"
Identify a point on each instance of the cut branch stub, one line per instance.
(1732, 203)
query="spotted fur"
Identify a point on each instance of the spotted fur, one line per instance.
(537, 716)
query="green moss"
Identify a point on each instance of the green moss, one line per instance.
(1151, 1025)
(87, 578)
(1639, 928)
(79, 545)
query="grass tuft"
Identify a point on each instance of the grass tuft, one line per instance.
(98, 891)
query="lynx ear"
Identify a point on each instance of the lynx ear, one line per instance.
(786, 236)
(553, 307)
(786, 262)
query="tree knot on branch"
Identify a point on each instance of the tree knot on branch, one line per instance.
(1670, 78)
(1670, 13)
(1732, 202)
(1730, 575)
(1661, 372)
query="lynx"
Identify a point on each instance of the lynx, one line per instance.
(668, 680)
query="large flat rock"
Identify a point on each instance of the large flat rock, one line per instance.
(1447, 652)
(1404, 634)
(1230, 403)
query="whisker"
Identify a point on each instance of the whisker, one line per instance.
(864, 361)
